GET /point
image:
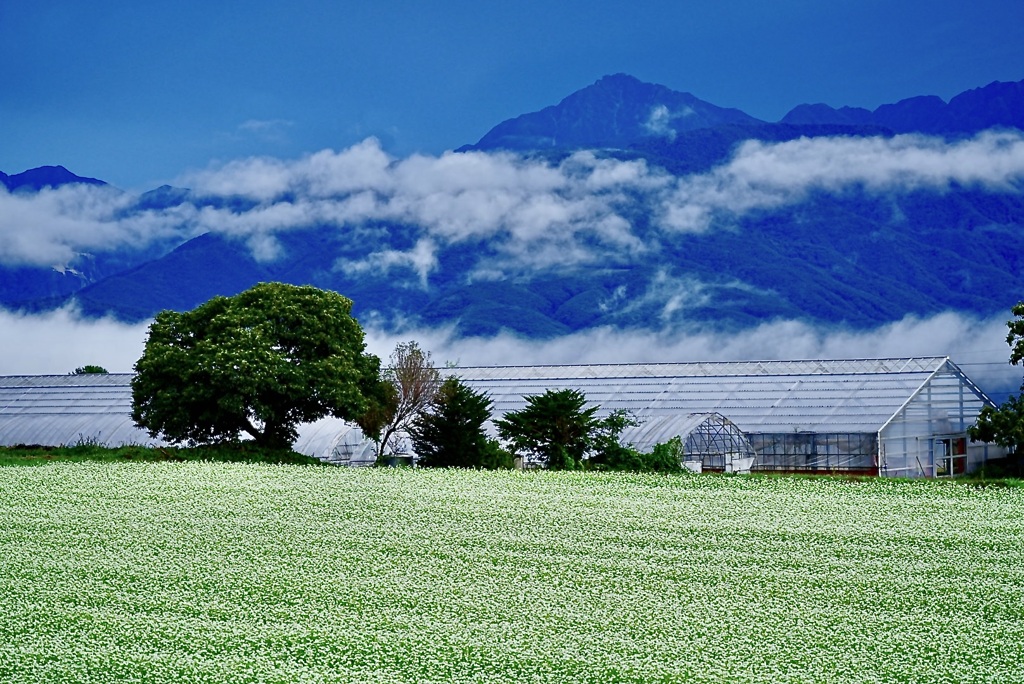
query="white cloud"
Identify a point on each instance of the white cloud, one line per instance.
(60, 341)
(272, 131)
(528, 210)
(265, 127)
(583, 207)
(258, 178)
(767, 175)
(904, 162)
(51, 227)
(659, 122)
(421, 259)
(532, 213)
(976, 344)
(673, 295)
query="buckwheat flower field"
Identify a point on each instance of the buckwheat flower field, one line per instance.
(202, 572)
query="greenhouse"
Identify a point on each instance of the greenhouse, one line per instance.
(903, 417)
(708, 439)
(65, 410)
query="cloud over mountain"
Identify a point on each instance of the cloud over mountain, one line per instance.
(584, 207)
(54, 225)
(767, 175)
(536, 213)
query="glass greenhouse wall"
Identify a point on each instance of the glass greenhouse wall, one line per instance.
(64, 410)
(710, 439)
(817, 452)
(927, 436)
(336, 441)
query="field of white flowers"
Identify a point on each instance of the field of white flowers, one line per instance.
(254, 573)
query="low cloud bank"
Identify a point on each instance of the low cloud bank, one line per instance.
(584, 208)
(60, 341)
(53, 226)
(767, 175)
(975, 345)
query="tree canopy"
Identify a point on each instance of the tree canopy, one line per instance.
(89, 370)
(555, 428)
(558, 430)
(257, 363)
(1005, 425)
(1015, 338)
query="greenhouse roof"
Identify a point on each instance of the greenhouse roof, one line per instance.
(660, 429)
(62, 410)
(858, 395)
(758, 396)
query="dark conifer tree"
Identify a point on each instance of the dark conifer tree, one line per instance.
(452, 433)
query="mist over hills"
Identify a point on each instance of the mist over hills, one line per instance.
(626, 205)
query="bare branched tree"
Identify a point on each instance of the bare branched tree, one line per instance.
(415, 381)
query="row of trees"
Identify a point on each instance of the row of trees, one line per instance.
(264, 361)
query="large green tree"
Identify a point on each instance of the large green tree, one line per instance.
(1005, 425)
(258, 363)
(451, 433)
(1015, 338)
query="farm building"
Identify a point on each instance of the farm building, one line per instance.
(904, 417)
(892, 417)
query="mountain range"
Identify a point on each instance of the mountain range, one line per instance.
(627, 204)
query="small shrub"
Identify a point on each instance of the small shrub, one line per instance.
(495, 457)
(667, 457)
(663, 458)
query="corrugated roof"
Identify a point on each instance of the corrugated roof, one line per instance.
(849, 395)
(63, 410)
(716, 433)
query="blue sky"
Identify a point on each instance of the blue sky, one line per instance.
(140, 93)
(273, 100)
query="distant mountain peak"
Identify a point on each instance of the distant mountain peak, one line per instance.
(820, 113)
(617, 78)
(619, 111)
(615, 111)
(36, 179)
(164, 197)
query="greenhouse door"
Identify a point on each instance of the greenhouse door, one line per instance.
(950, 455)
